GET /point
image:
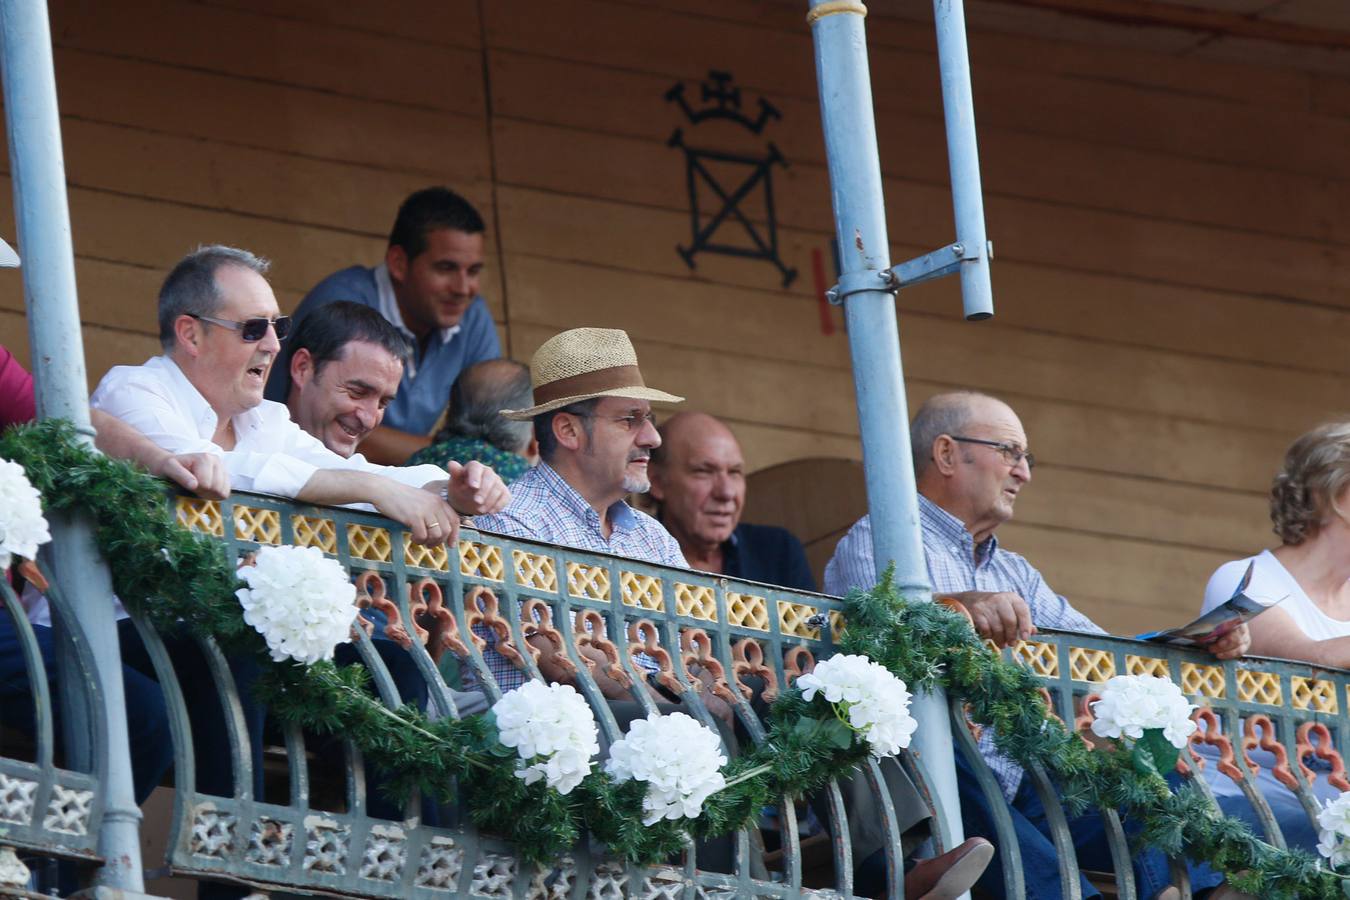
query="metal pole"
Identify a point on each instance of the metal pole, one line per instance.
(38, 172)
(963, 157)
(874, 341)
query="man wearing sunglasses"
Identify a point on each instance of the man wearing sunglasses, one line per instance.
(220, 329)
(971, 463)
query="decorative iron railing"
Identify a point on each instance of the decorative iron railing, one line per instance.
(294, 827)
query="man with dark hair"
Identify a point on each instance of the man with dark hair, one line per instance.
(345, 362)
(698, 478)
(475, 428)
(427, 287)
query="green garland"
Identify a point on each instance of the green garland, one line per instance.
(183, 582)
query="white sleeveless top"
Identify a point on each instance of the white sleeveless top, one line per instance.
(1270, 581)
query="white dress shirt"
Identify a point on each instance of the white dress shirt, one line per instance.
(271, 455)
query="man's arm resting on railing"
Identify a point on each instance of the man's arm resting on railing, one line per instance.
(202, 473)
(425, 513)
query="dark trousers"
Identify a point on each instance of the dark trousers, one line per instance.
(1040, 867)
(147, 719)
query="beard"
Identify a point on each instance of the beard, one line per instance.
(636, 484)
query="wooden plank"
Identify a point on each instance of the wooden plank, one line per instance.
(820, 400)
(1125, 586)
(1147, 313)
(993, 356)
(453, 23)
(269, 116)
(646, 170)
(103, 347)
(1103, 112)
(910, 27)
(263, 183)
(255, 46)
(585, 229)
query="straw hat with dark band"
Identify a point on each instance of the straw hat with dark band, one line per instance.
(582, 364)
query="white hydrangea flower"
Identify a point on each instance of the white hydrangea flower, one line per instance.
(22, 526)
(552, 730)
(876, 702)
(1334, 834)
(1132, 703)
(680, 760)
(301, 602)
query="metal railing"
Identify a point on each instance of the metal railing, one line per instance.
(308, 825)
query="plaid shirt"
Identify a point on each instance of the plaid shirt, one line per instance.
(544, 507)
(956, 564)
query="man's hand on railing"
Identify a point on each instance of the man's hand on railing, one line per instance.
(476, 490)
(424, 512)
(998, 616)
(203, 474)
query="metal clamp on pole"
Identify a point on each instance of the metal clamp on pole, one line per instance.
(851, 283)
(938, 264)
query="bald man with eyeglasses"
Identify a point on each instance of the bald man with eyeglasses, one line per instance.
(971, 463)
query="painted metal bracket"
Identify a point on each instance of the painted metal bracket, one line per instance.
(937, 264)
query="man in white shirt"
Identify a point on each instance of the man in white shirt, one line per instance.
(221, 330)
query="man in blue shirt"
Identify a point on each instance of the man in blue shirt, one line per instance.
(427, 287)
(698, 478)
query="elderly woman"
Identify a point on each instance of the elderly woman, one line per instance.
(1309, 573)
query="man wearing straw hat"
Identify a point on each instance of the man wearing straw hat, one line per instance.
(596, 431)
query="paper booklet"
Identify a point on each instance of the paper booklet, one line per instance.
(1236, 610)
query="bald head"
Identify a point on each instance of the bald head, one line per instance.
(947, 413)
(698, 476)
(970, 458)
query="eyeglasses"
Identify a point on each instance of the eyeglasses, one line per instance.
(1011, 453)
(252, 330)
(630, 423)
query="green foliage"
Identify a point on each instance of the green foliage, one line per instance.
(182, 581)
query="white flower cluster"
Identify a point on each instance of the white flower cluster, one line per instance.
(22, 527)
(875, 701)
(553, 731)
(1132, 703)
(1334, 822)
(680, 760)
(300, 601)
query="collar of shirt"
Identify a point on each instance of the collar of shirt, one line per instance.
(388, 307)
(950, 530)
(203, 416)
(621, 517)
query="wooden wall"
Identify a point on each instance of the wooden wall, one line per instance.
(1171, 234)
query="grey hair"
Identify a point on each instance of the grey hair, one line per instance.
(1315, 473)
(940, 414)
(543, 425)
(477, 398)
(190, 289)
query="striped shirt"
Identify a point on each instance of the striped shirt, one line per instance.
(956, 564)
(544, 507)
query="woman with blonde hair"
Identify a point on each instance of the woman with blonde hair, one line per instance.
(1310, 508)
(1309, 575)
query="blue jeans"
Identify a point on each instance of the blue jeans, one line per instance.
(1040, 866)
(147, 718)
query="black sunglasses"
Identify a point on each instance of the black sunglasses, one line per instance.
(252, 330)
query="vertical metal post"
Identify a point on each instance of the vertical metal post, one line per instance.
(874, 342)
(37, 169)
(963, 158)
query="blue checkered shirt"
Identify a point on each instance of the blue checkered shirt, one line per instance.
(544, 507)
(955, 564)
